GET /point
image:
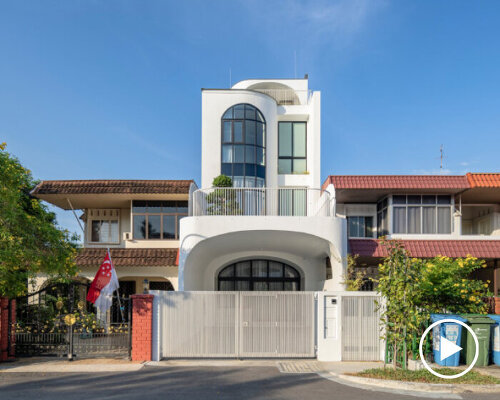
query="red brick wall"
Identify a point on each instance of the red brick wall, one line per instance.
(142, 327)
(4, 328)
(497, 304)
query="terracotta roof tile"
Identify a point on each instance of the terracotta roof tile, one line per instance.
(430, 248)
(489, 180)
(128, 257)
(104, 186)
(398, 182)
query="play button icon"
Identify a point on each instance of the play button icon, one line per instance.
(448, 348)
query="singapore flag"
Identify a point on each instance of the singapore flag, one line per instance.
(104, 284)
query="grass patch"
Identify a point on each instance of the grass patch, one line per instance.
(424, 376)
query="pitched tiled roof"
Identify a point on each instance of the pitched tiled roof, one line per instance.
(430, 248)
(491, 180)
(128, 257)
(103, 186)
(398, 181)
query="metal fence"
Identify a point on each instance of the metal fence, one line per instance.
(262, 202)
(236, 324)
(58, 321)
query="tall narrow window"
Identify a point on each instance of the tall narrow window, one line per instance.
(292, 151)
(243, 156)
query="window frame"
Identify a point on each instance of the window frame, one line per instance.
(364, 225)
(258, 168)
(253, 279)
(162, 214)
(108, 215)
(292, 158)
(436, 205)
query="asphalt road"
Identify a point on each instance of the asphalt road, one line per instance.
(198, 383)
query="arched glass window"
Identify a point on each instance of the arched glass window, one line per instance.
(259, 275)
(243, 146)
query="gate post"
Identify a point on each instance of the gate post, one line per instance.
(7, 321)
(142, 327)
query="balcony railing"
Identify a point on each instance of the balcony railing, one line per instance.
(303, 202)
(288, 97)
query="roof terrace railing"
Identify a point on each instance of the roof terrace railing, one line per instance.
(288, 97)
(303, 202)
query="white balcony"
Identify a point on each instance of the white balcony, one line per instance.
(289, 202)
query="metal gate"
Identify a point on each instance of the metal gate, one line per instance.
(236, 324)
(360, 328)
(58, 321)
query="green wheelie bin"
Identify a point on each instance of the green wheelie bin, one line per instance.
(481, 325)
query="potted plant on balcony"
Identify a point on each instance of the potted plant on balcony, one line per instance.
(222, 200)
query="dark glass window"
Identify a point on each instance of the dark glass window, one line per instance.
(259, 275)
(382, 217)
(243, 148)
(360, 226)
(292, 137)
(160, 285)
(157, 219)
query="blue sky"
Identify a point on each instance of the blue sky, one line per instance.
(111, 89)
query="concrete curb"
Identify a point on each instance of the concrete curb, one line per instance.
(420, 387)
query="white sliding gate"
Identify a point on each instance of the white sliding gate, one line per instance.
(235, 324)
(360, 328)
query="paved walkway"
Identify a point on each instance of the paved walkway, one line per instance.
(49, 364)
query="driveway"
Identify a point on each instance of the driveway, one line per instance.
(197, 383)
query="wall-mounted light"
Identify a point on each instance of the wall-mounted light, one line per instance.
(145, 286)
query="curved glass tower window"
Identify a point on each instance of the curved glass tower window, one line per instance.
(243, 146)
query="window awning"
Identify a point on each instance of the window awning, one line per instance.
(429, 248)
(129, 257)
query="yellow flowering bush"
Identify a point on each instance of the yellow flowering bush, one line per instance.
(414, 288)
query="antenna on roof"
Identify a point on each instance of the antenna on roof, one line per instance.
(230, 80)
(441, 151)
(295, 63)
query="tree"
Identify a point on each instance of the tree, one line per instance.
(353, 279)
(414, 288)
(30, 240)
(222, 201)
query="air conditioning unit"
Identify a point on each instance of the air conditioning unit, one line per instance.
(127, 235)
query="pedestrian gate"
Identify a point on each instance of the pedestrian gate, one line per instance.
(360, 328)
(235, 324)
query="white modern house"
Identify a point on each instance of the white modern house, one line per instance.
(257, 269)
(275, 229)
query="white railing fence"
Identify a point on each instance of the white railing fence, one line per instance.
(287, 96)
(262, 202)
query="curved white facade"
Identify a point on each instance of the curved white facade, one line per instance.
(312, 242)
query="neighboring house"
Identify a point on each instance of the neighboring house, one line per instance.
(277, 228)
(453, 216)
(138, 220)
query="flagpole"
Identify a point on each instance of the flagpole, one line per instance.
(117, 292)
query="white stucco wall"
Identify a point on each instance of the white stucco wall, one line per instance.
(216, 102)
(209, 243)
